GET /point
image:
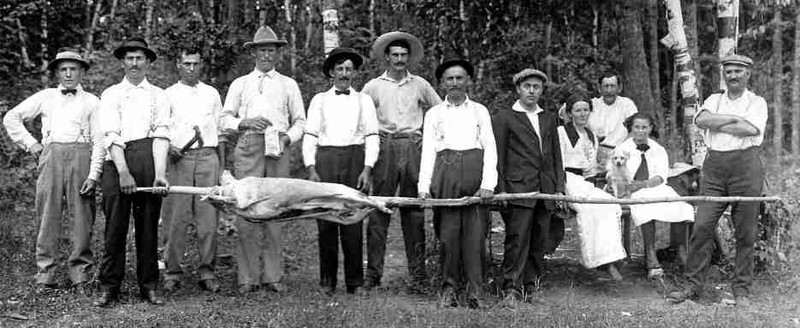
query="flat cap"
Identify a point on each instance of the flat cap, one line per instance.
(528, 73)
(737, 60)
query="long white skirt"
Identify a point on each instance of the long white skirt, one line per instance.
(598, 224)
(666, 212)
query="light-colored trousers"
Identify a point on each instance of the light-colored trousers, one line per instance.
(259, 248)
(62, 169)
(198, 168)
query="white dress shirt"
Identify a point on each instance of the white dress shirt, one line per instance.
(533, 117)
(341, 120)
(749, 106)
(657, 159)
(583, 155)
(66, 118)
(458, 127)
(271, 95)
(199, 105)
(607, 121)
(132, 112)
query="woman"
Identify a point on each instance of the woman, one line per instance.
(648, 166)
(598, 224)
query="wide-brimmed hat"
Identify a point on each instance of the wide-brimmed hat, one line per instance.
(265, 35)
(67, 54)
(415, 52)
(337, 54)
(528, 73)
(455, 61)
(737, 60)
(135, 43)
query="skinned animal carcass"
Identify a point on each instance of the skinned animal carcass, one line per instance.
(276, 199)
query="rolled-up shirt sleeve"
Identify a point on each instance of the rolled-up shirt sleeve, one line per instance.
(98, 148)
(370, 123)
(296, 111)
(229, 117)
(110, 128)
(161, 116)
(15, 118)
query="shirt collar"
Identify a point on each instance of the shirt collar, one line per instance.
(271, 73)
(128, 85)
(61, 87)
(745, 95)
(452, 105)
(408, 77)
(184, 85)
(518, 107)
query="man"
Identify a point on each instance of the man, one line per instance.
(267, 109)
(70, 163)
(401, 99)
(341, 146)
(134, 118)
(195, 161)
(528, 160)
(734, 122)
(459, 159)
(608, 116)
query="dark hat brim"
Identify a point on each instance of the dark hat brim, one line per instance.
(120, 52)
(279, 43)
(455, 62)
(336, 56)
(415, 53)
(53, 65)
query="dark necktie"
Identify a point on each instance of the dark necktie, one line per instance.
(345, 92)
(69, 91)
(642, 173)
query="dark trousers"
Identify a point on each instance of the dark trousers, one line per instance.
(731, 173)
(117, 210)
(397, 168)
(527, 240)
(340, 165)
(462, 230)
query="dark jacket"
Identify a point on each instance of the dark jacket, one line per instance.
(521, 166)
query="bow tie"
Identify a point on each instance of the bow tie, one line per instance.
(69, 91)
(345, 92)
(642, 148)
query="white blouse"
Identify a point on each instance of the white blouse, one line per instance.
(583, 155)
(657, 159)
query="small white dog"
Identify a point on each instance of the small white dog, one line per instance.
(618, 177)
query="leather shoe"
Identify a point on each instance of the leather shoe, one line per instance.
(246, 288)
(448, 298)
(105, 299)
(277, 287)
(152, 297)
(475, 302)
(211, 285)
(357, 290)
(170, 286)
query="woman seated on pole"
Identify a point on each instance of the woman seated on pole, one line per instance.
(598, 224)
(648, 165)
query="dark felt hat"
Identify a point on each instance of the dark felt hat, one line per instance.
(454, 61)
(337, 54)
(265, 35)
(135, 43)
(67, 54)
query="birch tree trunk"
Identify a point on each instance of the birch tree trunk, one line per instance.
(330, 25)
(372, 18)
(462, 17)
(43, 45)
(287, 4)
(676, 41)
(690, 25)
(777, 88)
(148, 21)
(247, 6)
(727, 30)
(796, 89)
(89, 44)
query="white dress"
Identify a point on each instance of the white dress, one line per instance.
(657, 165)
(598, 224)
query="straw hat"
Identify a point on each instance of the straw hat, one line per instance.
(67, 54)
(415, 52)
(265, 35)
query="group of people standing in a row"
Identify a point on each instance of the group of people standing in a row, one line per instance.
(394, 136)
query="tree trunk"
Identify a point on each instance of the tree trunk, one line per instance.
(89, 44)
(287, 4)
(43, 45)
(690, 25)
(796, 89)
(311, 14)
(148, 21)
(727, 30)
(330, 26)
(595, 23)
(462, 17)
(655, 77)
(262, 11)
(372, 18)
(676, 41)
(634, 61)
(247, 6)
(777, 79)
(233, 13)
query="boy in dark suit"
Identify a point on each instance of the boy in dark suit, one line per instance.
(529, 159)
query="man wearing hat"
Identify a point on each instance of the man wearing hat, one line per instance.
(528, 160)
(195, 161)
(70, 163)
(733, 122)
(341, 146)
(459, 159)
(400, 98)
(266, 108)
(134, 117)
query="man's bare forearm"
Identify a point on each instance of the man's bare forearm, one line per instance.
(711, 121)
(740, 129)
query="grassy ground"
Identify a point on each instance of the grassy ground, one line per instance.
(569, 295)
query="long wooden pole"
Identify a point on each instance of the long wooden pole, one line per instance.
(464, 201)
